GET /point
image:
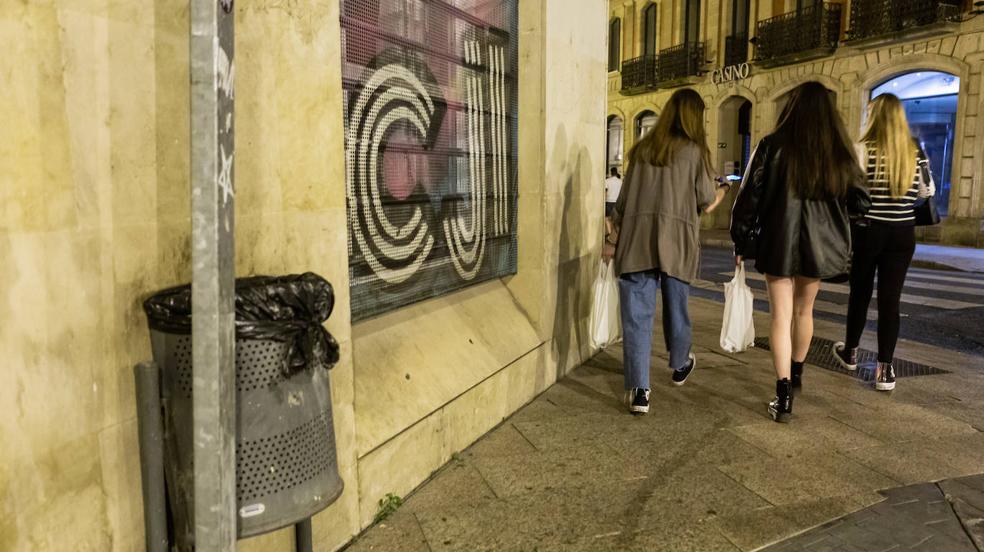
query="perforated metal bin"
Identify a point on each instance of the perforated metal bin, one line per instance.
(286, 467)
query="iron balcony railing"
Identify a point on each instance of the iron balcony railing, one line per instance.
(873, 18)
(784, 38)
(735, 49)
(682, 60)
(678, 62)
(639, 72)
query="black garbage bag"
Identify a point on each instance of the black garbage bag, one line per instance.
(289, 309)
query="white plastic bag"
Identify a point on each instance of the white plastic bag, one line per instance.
(738, 327)
(605, 322)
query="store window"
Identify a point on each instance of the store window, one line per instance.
(930, 100)
(431, 94)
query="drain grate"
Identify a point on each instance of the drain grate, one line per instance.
(821, 355)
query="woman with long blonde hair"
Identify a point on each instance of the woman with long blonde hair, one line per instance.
(667, 186)
(884, 240)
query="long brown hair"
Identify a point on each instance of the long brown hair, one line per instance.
(681, 121)
(888, 133)
(820, 160)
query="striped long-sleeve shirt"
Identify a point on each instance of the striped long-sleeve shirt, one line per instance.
(885, 209)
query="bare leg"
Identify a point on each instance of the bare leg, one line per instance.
(781, 308)
(804, 295)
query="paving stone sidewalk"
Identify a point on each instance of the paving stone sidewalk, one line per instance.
(706, 470)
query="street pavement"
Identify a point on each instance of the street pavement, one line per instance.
(939, 307)
(931, 517)
(707, 470)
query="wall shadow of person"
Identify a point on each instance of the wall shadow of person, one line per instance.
(573, 299)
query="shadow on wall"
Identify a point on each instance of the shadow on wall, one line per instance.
(573, 301)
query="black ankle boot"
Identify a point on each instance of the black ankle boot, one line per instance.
(781, 408)
(797, 371)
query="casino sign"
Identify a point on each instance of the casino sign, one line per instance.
(731, 73)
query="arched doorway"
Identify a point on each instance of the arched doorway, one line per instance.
(644, 122)
(734, 135)
(734, 143)
(615, 147)
(930, 100)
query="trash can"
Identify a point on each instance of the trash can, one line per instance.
(286, 467)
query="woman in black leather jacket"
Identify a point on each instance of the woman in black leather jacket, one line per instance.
(792, 215)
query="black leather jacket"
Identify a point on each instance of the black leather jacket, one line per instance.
(789, 236)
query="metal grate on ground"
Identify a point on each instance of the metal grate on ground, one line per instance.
(821, 354)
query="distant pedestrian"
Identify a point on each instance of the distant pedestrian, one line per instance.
(884, 240)
(792, 216)
(657, 218)
(613, 185)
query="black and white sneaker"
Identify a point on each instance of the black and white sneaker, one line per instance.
(680, 375)
(639, 401)
(885, 377)
(847, 358)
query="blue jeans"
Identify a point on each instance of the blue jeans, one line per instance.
(637, 302)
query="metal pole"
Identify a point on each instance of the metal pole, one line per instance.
(213, 276)
(303, 541)
(151, 435)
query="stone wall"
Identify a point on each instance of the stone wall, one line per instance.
(850, 72)
(95, 215)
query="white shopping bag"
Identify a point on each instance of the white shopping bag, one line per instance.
(738, 327)
(605, 322)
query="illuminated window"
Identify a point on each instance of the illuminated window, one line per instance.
(930, 100)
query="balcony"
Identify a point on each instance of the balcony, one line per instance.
(677, 66)
(876, 23)
(810, 33)
(735, 49)
(639, 73)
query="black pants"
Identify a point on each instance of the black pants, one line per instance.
(888, 251)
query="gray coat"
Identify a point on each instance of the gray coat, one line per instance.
(658, 215)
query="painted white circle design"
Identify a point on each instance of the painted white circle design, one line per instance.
(390, 95)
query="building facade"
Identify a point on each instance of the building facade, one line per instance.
(95, 215)
(744, 56)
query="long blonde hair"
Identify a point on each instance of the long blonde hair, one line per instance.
(681, 121)
(888, 133)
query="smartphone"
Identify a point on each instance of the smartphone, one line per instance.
(732, 178)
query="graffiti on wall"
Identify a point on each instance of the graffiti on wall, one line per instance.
(430, 145)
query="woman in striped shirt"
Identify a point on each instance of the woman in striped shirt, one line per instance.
(884, 240)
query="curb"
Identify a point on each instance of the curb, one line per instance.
(726, 244)
(933, 265)
(916, 263)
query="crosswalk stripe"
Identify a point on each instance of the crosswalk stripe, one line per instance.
(910, 283)
(818, 305)
(948, 304)
(942, 278)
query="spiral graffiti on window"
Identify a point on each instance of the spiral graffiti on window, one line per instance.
(430, 147)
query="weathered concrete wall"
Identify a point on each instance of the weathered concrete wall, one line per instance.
(424, 392)
(94, 215)
(850, 72)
